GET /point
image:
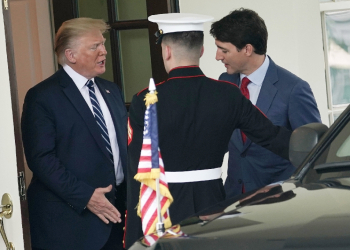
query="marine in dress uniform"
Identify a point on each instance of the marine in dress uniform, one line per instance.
(196, 118)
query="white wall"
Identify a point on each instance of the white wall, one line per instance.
(295, 39)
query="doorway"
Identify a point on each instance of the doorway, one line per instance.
(134, 56)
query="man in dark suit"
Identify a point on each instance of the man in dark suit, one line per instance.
(287, 100)
(74, 128)
(196, 118)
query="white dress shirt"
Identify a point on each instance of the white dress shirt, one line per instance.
(256, 78)
(80, 81)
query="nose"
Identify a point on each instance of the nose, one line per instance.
(103, 50)
(218, 55)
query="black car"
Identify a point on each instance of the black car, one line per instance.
(309, 211)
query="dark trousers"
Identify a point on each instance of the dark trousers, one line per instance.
(115, 240)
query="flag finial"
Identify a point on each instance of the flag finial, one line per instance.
(152, 86)
(151, 97)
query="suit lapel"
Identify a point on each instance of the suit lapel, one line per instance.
(267, 93)
(75, 97)
(117, 110)
(268, 90)
(114, 108)
(236, 137)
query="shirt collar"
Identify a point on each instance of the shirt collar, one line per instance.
(78, 79)
(258, 76)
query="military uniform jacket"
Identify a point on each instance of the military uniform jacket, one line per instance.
(196, 118)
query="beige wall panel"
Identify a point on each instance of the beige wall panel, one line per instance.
(33, 47)
(23, 49)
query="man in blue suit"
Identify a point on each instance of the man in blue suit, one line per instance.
(74, 128)
(287, 100)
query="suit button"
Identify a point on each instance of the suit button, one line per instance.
(239, 181)
(244, 154)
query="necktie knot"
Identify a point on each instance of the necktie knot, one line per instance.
(245, 82)
(244, 89)
(90, 84)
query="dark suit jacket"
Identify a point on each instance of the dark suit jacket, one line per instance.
(287, 101)
(65, 151)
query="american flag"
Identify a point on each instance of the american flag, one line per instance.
(173, 232)
(150, 168)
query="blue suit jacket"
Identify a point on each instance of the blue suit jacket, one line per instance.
(287, 101)
(65, 151)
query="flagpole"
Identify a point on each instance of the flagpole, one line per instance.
(160, 225)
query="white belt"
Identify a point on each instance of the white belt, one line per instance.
(193, 176)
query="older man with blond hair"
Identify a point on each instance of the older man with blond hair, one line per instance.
(75, 138)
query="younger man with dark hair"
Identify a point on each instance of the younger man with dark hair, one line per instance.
(287, 100)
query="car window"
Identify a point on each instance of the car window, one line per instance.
(344, 149)
(334, 161)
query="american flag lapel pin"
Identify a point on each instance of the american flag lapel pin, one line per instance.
(107, 91)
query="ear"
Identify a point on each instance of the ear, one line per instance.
(202, 51)
(168, 53)
(69, 53)
(249, 49)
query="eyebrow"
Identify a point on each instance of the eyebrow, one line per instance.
(98, 42)
(221, 47)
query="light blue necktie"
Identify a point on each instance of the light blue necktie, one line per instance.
(99, 117)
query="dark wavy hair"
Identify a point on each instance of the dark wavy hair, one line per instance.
(242, 27)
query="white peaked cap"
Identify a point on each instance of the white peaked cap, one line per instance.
(152, 86)
(179, 22)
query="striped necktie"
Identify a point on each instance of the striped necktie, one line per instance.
(99, 117)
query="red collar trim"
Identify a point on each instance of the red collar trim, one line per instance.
(177, 77)
(184, 67)
(147, 87)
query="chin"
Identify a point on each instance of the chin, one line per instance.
(100, 72)
(231, 71)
